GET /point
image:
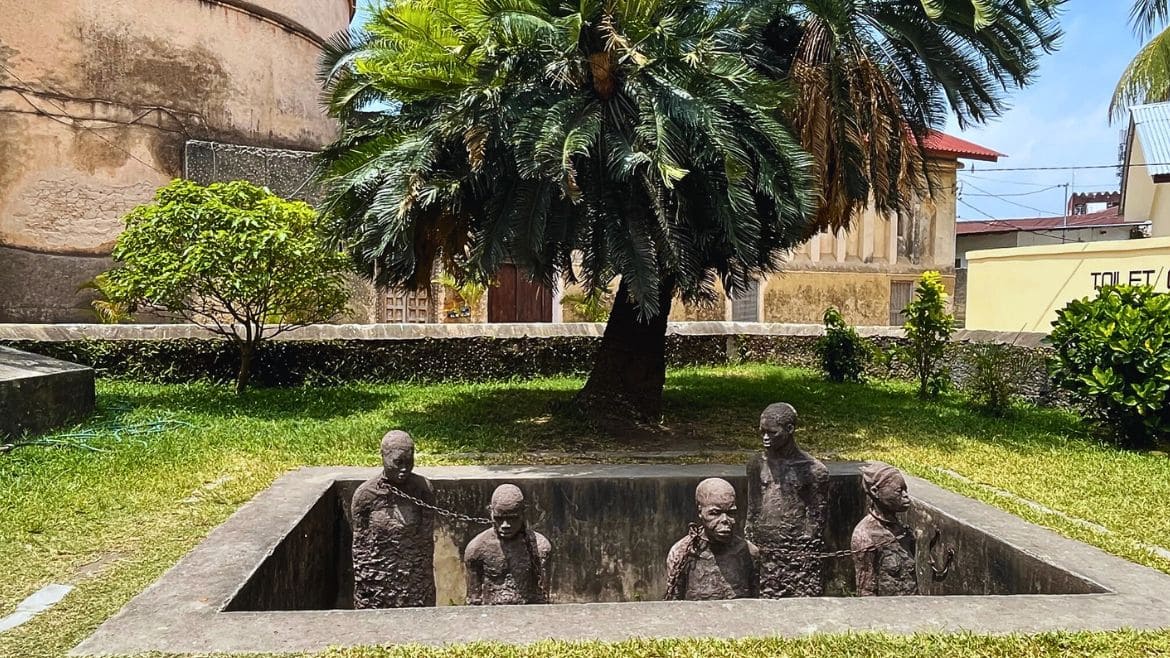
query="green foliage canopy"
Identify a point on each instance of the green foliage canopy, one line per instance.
(659, 138)
(231, 257)
(1113, 352)
(635, 132)
(928, 329)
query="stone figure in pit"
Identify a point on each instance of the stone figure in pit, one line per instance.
(393, 537)
(507, 564)
(788, 492)
(711, 563)
(883, 557)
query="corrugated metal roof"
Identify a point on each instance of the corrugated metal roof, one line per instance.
(943, 144)
(1099, 219)
(1152, 123)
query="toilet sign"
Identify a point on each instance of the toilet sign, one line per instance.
(1158, 278)
(1023, 288)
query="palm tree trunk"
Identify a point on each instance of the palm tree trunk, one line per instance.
(625, 385)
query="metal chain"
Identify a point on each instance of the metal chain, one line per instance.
(791, 553)
(474, 520)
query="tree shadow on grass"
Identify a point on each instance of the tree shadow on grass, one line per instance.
(314, 403)
(851, 417)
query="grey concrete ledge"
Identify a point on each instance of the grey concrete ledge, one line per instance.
(175, 616)
(319, 332)
(38, 393)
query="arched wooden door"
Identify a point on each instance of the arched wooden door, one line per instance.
(514, 298)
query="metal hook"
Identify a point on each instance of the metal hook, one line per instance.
(937, 573)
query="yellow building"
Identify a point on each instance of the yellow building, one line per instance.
(1022, 289)
(869, 271)
(1145, 184)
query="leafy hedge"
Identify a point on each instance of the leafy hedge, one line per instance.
(290, 363)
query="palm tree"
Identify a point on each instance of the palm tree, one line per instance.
(1147, 78)
(872, 78)
(659, 139)
(632, 132)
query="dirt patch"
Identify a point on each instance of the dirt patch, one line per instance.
(96, 567)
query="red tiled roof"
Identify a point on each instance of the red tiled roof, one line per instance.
(1107, 217)
(940, 143)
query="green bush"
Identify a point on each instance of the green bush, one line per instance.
(928, 330)
(1113, 352)
(843, 354)
(231, 257)
(992, 381)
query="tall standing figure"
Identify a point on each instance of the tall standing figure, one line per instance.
(883, 548)
(711, 563)
(788, 491)
(393, 536)
(507, 564)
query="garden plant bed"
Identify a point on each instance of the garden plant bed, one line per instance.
(266, 579)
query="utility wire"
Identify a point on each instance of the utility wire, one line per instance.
(1076, 167)
(1014, 203)
(1001, 196)
(1008, 225)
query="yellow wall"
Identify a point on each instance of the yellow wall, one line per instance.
(1021, 289)
(862, 297)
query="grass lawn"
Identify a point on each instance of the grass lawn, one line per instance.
(111, 521)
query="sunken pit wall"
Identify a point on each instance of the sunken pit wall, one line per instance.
(611, 537)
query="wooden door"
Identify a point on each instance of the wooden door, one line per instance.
(516, 299)
(901, 294)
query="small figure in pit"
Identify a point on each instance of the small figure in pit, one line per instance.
(788, 491)
(711, 563)
(394, 537)
(883, 557)
(509, 563)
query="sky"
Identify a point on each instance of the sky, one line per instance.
(1061, 120)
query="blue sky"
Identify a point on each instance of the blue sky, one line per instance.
(1060, 121)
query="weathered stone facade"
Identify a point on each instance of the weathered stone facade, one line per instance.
(98, 100)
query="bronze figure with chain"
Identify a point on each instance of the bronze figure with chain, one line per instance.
(711, 562)
(788, 493)
(393, 535)
(508, 563)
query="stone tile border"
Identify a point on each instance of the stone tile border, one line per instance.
(67, 332)
(180, 613)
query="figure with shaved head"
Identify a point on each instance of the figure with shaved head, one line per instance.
(507, 564)
(788, 495)
(711, 563)
(883, 558)
(393, 537)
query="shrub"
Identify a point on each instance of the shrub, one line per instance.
(590, 306)
(1113, 352)
(928, 330)
(843, 354)
(230, 257)
(992, 380)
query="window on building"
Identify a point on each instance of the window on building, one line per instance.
(746, 306)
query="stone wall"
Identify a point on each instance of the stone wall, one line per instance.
(288, 173)
(442, 352)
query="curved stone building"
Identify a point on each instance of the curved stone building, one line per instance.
(102, 101)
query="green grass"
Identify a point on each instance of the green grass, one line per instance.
(112, 521)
